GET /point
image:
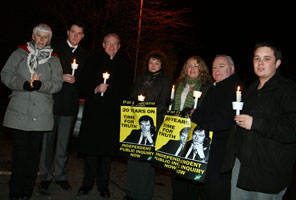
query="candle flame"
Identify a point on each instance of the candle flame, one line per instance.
(106, 75)
(74, 61)
(238, 88)
(173, 86)
(141, 97)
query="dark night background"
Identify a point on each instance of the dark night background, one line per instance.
(219, 28)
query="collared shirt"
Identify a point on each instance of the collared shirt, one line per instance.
(181, 147)
(70, 45)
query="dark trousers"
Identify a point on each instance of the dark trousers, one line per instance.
(211, 189)
(62, 130)
(96, 168)
(140, 180)
(25, 156)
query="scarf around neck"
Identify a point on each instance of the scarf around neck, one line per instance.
(37, 56)
(189, 101)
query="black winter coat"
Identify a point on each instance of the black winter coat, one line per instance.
(99, 132)
(66, 101)
(215, 114)
(155, 87)
(267, 152)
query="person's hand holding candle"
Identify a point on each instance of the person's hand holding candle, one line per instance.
(103, 87)
(69, 78)
(74, 66)
(35, 77)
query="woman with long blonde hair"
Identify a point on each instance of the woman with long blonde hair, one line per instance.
(194, 76)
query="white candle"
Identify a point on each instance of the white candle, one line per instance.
(141, 97)
(173, 93)
(74, 66)
(238, 94)
(172, 97)
(237, 106)
(35, 77)
(106, 76)
(197, 95)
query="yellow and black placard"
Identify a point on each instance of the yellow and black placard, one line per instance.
(137, 129)
(193, 164)
(182, 147)
(171, 140)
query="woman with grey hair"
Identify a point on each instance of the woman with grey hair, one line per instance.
(33, 73)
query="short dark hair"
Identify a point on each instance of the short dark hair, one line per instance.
(198, 128)
(276, 50)
(77, 23)
(146, 118)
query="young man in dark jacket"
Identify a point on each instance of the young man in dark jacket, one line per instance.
(65, 109)
(263, 146)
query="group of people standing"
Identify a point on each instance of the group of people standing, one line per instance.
(252, 154)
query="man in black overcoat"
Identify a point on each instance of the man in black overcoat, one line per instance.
(99, 132)
(65, 108)
(216, 114)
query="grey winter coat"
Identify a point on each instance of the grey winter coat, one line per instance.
(30, 111)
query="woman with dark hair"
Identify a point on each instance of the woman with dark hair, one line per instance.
(155, 85)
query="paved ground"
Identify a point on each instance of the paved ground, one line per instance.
(74, 169)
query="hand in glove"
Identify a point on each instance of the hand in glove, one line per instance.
(27, 87)
(37, 85)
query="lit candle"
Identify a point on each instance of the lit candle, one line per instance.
(141, 97)
(237, 106)
(172, 97)
(238, 94)
(173, 93)
(197, 95)
(74, 66)
(36, 77)
(106, 76)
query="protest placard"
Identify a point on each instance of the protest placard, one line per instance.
(182, 147)
(137, 129)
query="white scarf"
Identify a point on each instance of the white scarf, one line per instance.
(37, 56)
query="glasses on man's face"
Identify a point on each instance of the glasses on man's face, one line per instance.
(115, 44)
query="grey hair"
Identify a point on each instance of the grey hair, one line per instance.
(229, 59)
(42, 28)
(112, 34)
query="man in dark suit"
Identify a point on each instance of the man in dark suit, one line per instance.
(98, 136)
(145, 135)
(65, 109)
(199, 146)
(175, 147)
